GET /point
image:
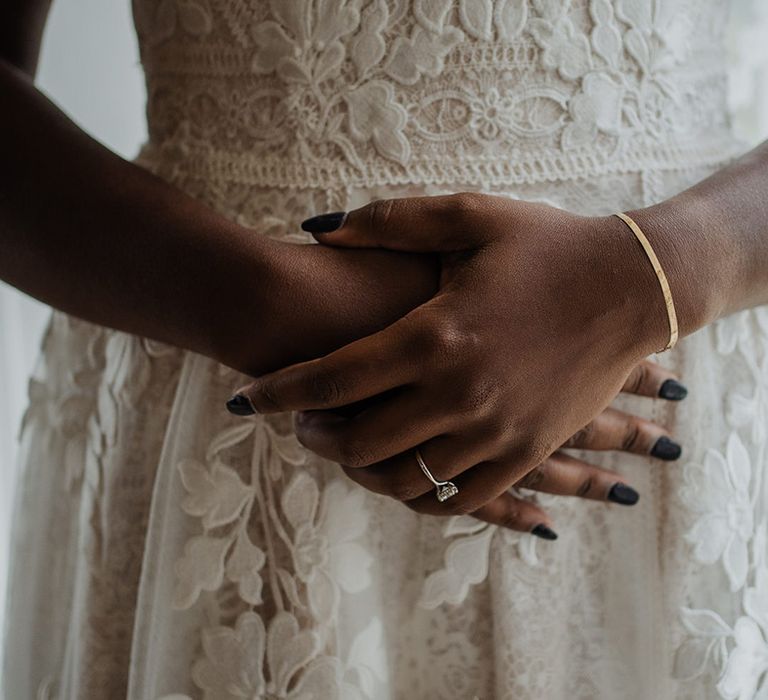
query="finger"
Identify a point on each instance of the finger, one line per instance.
(379, 432)
(651, 379)
(563, 475)
(616, 430)
(517, 514)
(414, 224)
(500, 508)
(477, 487)
(401, 477)
(355, 372)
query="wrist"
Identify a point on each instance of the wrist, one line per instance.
(630, 289)
(695, 264)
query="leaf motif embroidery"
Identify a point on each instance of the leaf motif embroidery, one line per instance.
(217, 496)
(200, 569)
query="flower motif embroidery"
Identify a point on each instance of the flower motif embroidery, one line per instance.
(466, 559)
(719, 492)
(596, 108)
(233, 666)
(326, 555)
(565, 48)
(748, 661)
(374, 115)
(491, 114)
(744, 668)
(751, 412)
(420, 54)
(304, 45)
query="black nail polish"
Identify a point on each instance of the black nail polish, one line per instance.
(666, 449)
(240, 405)
(623, 494)
(672, 390)
(324, 223)
(544, 532)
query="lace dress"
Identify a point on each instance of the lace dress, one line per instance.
(167, 550)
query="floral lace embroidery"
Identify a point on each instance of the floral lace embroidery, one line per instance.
(727, 493)
(371, 92)
(313, 559)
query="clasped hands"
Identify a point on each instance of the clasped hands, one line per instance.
(541, 318)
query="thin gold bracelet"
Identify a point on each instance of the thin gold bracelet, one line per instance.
(673, 330)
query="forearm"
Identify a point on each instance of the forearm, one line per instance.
(100, 238)
(96, 236)
(712, 240)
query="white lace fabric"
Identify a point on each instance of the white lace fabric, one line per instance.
(293, 93)
(167, 550)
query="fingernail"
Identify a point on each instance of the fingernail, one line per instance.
(324, 223)
(621, 493)
(672, 390)
(240, 405)
(544, 532)
(666, 449)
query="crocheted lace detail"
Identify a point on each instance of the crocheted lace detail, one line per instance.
(293, 93)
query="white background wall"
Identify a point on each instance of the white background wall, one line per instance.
(90, 68)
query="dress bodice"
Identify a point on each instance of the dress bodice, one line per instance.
(304, 93)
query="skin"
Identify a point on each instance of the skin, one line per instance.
(110, 243)
(488, 397)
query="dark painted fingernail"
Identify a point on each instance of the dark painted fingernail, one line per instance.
(544, 532)
(621, 493)
(672, 390)
(240, 405)
(324, 223)
(666, 449)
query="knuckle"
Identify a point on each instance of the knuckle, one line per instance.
(353, 454)
(452, 345)
(463, 205)
(441, 338)
(586, 486)
(638, 378)
(512, 518)
(326, 389)
(533, 452)
(583, 437)
(631, 437)
(266, 397)
(533, 479)
(379, 212)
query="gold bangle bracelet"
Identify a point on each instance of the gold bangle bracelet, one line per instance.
(673, 330)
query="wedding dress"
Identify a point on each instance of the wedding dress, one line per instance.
(166, 549)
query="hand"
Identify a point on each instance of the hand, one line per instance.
(540, 318)
(559, 474)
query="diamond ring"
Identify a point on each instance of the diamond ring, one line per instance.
(445, 489)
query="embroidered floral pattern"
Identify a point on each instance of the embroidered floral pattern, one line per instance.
(719, 491)
(319, 532)
(372, 94)
(727, 494)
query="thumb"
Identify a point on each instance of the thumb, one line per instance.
(413, 224)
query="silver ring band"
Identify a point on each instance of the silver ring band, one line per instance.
(445, 489)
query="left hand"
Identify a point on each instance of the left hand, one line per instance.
(560, 474)
(540, 318)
